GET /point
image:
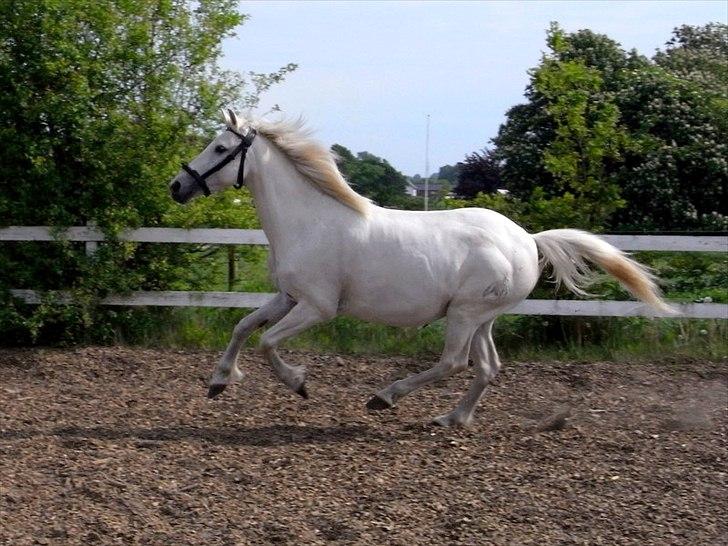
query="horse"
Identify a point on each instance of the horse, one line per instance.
(334, 252)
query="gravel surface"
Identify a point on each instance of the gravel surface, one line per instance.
(120, 446)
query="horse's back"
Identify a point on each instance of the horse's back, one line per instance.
(407, 267)
(469, 226)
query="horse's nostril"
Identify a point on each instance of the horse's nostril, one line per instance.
(175, 186)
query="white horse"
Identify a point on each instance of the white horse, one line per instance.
(333, 252)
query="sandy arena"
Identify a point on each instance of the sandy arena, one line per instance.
(121, 446)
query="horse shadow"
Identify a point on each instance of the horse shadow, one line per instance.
(259, 436)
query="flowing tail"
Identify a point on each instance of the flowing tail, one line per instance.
(567, 251)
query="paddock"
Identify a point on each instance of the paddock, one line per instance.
(121, 446)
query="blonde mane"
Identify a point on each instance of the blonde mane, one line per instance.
(310, 157)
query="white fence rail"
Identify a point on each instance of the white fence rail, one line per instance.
(680, 243)
(257, 299)
(674, 243)
(141, 235)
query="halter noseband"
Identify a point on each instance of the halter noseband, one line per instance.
(245, 142)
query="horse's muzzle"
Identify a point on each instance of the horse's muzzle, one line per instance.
(175, 191)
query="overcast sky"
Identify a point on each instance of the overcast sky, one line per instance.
(370, 72)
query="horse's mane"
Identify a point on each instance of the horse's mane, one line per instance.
(313, 160)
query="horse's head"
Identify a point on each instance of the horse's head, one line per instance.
(220, 165)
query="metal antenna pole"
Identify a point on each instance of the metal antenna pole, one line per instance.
(427, 164)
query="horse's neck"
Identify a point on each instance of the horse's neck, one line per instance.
(289, 206)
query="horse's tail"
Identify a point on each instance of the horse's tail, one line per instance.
(567, 251)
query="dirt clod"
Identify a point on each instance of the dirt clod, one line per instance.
(555, 420)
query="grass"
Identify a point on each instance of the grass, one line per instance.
(517, 337)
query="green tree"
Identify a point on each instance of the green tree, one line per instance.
(700, 55)
(480, 172)
(677, 110)
(587, 135)
(520, 146)
(531, 127)
(655, 131)
(449, 173)
(99, 101)
(675, 175)
(372, 176)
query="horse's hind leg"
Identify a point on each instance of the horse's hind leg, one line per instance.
(460, 330)
(486, 362)
(227, 371)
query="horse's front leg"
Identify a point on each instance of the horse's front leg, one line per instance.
(227, 371)
(301, 317)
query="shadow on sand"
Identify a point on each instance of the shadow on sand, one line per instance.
(264, 436)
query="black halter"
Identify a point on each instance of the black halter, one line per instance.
(245, 142)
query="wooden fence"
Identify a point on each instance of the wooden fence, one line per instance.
(92, 236)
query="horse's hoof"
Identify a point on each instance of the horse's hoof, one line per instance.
(449, 421)
(377, 404)
(441, 421)
(215, 390)
(302, 391)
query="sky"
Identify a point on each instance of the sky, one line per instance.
(371, 72)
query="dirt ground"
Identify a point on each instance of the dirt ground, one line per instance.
(120, 446)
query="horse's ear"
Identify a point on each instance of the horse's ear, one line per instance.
(225, 116)
(233, 118)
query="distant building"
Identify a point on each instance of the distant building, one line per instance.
(417, 189)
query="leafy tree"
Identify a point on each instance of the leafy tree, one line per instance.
(531, 127)
(480, 172)
(99, 101)
(675, 175)
(678, 111)
(372, 176)
(449, 173)
(700, 55)
(649, 135)
(520, 146)
(557, 150)
(587, 135)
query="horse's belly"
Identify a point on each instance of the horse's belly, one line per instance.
(396, 306)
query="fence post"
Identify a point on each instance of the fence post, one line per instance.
(231, 267)
(91, 246)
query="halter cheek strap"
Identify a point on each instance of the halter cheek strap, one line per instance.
(246, 142)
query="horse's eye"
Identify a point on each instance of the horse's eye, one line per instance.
(220, 148)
